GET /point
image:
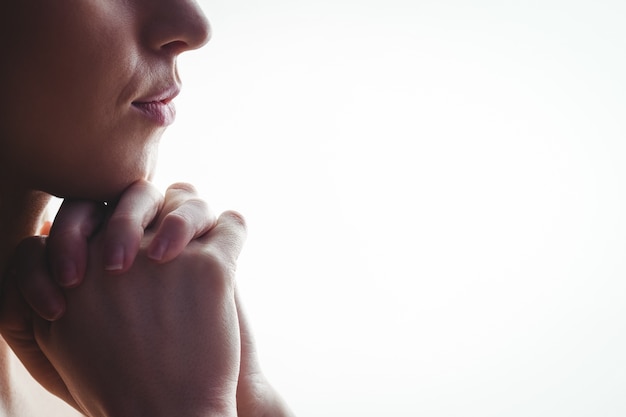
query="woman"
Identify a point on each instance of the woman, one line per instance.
(87, 92)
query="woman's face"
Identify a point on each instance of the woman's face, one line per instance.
(86, 88)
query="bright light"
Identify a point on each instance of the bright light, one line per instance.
(435, 194)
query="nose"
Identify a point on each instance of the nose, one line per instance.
(175, 26)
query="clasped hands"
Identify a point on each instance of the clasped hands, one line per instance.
(132, 310)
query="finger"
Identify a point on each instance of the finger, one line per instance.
(227, 237)
(17, 325)
(136, 209)
(184, 217)
(15, 314)
(253, 389)
(35, 282)
(74, 224)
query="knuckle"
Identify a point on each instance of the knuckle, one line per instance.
(62, 238)
(62, 230)
(237, 218)
(184, 187)
(143, 188)
(218, 270)
(197, 204)
(193, 213)
(177, 221)
(123, 226)
(122, 219)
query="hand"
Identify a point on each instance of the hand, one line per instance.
(177, 218)
(155, 340)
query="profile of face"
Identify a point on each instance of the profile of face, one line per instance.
(87, 88)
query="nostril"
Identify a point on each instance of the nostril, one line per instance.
(175, 47)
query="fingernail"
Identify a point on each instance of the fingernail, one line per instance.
(158, 248)
(67, 273)
(114, 259)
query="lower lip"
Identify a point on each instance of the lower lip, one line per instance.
(161, 113)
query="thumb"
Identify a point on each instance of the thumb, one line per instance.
(249, 356)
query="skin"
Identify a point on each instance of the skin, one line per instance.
(99, 57)
(70, 126)
(68, 123)
(216, 253)
(139, 343)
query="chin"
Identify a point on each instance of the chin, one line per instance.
(104, 196)
(106, 190)
(100, 180)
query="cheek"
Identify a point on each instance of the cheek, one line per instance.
(66, 100)
(64, 122)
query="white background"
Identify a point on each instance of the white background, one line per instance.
(435, 193)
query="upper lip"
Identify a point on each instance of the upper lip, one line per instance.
(161, 95)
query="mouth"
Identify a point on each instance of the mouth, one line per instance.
(159, 108)
(163, 113)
